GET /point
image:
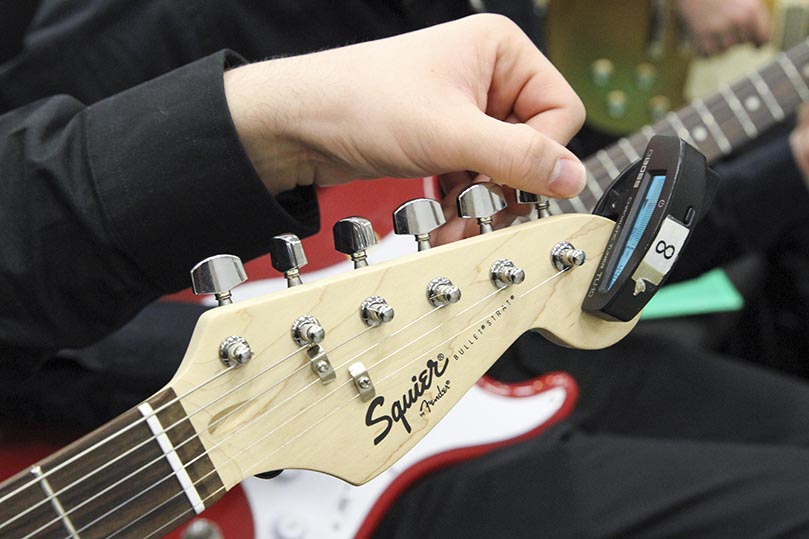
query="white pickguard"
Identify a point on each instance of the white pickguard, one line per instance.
(301, 504)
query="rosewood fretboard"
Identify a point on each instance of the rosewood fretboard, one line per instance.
(140, 475)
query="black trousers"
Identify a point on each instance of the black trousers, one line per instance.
(667, 441)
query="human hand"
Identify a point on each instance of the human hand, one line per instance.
(473, 94)
(799, 142)
(720, 24)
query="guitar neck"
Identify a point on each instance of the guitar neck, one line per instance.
(140, 475)
(716, 124)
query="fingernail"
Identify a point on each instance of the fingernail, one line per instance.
(567, 178)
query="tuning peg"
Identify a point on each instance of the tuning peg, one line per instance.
(540, 203)
(218, 275)
(287, 256)
(481, 201)
(418, 217)
(352, 236)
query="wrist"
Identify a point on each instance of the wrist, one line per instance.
(266, 120)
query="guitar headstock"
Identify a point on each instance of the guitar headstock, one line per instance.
(327, 389)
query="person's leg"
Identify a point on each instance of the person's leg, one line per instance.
(569, 484)
(651, 385)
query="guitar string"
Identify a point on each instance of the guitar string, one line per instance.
(314, 382)
(334, 410)
(169, 428)
(213, 424)
(233, 411)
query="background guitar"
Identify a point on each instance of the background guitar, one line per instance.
(632, 62)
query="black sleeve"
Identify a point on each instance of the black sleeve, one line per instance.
(761, 196)
(92, 49)
(106, 207)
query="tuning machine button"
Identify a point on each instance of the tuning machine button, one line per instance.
(481, 201)
(540, 203)
(287, 256)
(565, 256)
(441, 292)
(418, 217)
(505, 273)
(218, 275)
(352, 236)
(375, 311)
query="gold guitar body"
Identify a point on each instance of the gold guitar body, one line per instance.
(630, 61)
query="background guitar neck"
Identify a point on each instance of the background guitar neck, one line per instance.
(716, 124)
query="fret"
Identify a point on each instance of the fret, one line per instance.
(554, 207)
(107, 481)
(794, 77)
(767, 96)
(55, 503)
(629, 151)
(753, 104)
(738, 111)
(593, 186)
(647, 132)
(578, 205)
(32, 502)
(699, 135)
(607, 163)
(680, 128)
(713, 127)
(170, 453)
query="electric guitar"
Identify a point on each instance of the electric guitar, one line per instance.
(319, 377)
(716, 124)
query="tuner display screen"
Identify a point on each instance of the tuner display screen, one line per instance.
(639, 226)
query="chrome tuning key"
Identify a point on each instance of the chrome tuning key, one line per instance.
(352, 236)
(441, 292)
(481, 201)
(418, 217)
(287, 256)
(505, 273)
(375, 311)
(307, 331)
(218, 275)
(540, 203)
(565, 256)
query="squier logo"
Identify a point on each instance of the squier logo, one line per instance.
(434, 369)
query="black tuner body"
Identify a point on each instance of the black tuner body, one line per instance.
(655, 203)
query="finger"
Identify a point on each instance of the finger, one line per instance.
(762, 26)
(525, 83)
(516, 155)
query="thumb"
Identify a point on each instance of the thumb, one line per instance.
(519, 156)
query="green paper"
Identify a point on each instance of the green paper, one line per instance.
(711, 292)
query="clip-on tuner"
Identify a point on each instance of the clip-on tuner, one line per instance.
(655, 203)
